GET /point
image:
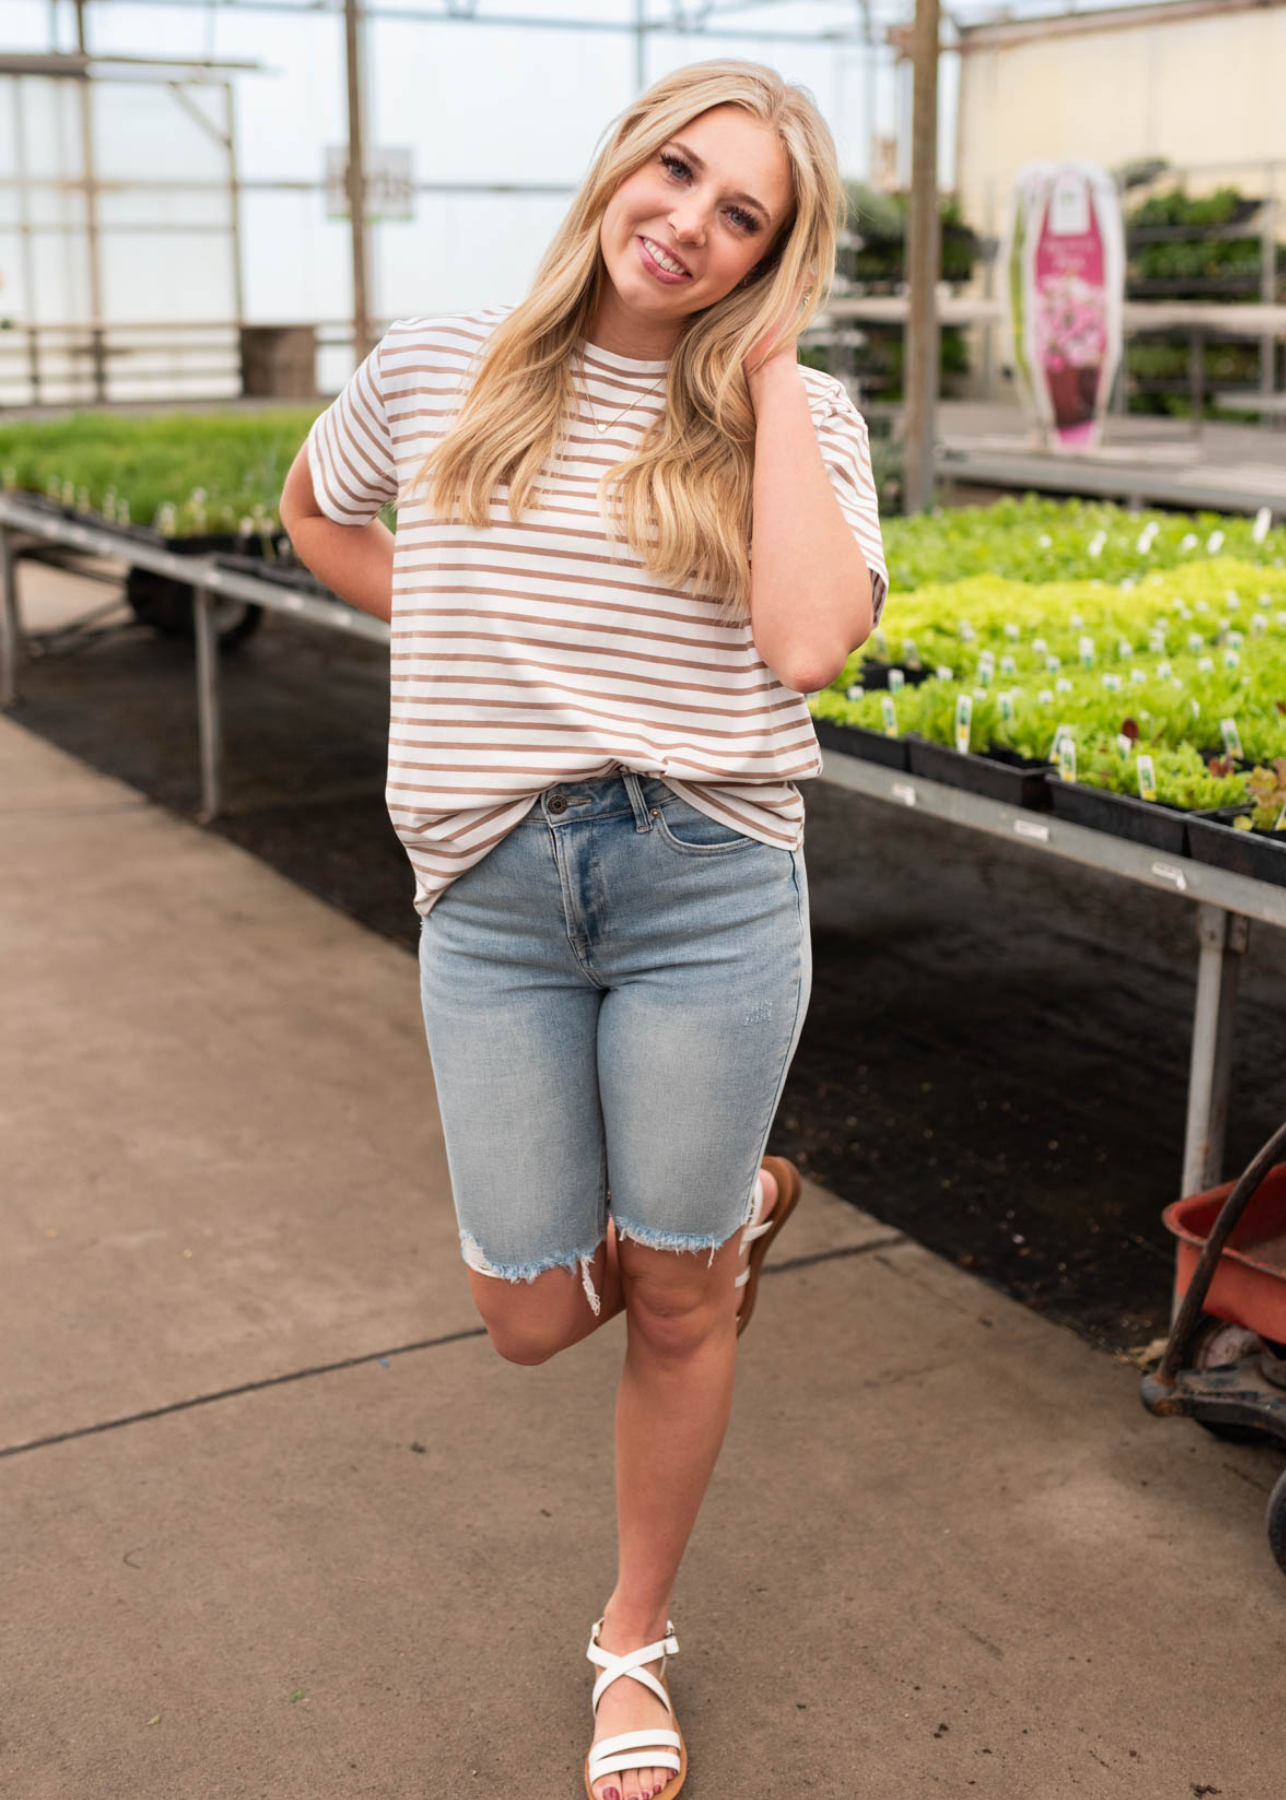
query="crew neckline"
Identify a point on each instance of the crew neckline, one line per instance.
(632, 365)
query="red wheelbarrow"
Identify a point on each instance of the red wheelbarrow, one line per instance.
(1225, 1361)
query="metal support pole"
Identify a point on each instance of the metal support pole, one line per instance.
(1197, 377)
(923, 230)
(1268, 286)
(97, 339)
(1223, 937)
(10, 621)
(209, 724)
(357, 182)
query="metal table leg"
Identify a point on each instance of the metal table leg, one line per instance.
(209, 723)
(1223, 937)
(10, 621)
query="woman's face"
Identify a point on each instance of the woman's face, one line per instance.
(681, 232)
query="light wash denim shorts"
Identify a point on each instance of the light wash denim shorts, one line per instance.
(612, 998)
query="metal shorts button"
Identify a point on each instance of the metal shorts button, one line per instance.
(557, 803)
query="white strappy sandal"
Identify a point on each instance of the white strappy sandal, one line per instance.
(650, 1749)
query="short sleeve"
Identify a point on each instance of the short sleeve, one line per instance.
(846, 451)
(350, 449)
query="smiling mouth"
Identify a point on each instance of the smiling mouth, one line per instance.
(662, 258)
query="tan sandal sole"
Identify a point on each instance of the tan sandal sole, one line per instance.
(789, 1187)
(675, 1782)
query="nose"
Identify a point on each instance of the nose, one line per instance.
(688, 223)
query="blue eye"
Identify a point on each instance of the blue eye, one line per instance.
(743, 220)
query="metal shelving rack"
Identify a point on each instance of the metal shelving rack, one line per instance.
(1225, 903)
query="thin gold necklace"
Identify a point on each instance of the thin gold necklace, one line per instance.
(629, 405)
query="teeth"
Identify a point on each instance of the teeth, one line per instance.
(666, 262)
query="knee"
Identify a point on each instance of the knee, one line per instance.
(675, 1323)
(526, 1343)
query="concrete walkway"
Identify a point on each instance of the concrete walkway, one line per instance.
(278, 1523)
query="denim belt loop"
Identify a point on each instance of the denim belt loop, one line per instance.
(634, 788)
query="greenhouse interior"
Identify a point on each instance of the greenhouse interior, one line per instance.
(1034, 1099)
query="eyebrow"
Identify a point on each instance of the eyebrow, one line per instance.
(695, 160)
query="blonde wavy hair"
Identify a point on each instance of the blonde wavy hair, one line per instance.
(683, 500)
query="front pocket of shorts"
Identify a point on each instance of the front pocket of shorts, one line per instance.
(695, 833)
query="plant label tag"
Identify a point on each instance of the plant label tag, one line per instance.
(1124, 746)
(1234, 640)
(1164, 671)
(964, 718)
(1012, 632)
(1039, 646)
(1196, 708)
(1007, 665)
(1205, 664)
(1147, 778)
(1006, 706)
(1156, 640)
(854, 693)
(1053, 664)
(897, 681)
(1060, 732)
(1281, 618)
(1231, 658)
(1124, 649)
(881, 644)
(889, 714)
(910, 655)
(1138, 677)
(1231, 737)
(1067, 759)
(967, 633)
(1062, 685)
(1113, 683)
(1076, 621)
(1086, 648)
(1214, 543)
(1263, 524)
(943, 673)
(1046, 696)
(1258, 624)
(1196, 643)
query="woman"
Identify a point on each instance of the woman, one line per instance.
(597, 723)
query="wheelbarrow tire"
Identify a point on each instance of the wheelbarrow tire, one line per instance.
(1275, 1520)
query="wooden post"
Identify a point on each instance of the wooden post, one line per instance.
(920, 361)
(357, 180)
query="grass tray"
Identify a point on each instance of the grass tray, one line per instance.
(997, 776)
(1147, 822)
(857, 740)
(1261, 855)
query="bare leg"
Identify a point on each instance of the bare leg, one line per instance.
(672, 1412)
(530, 1321)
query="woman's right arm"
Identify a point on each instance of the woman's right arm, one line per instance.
(354, 561)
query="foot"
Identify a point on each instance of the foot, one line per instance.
(769, 1185)
(627, 1705)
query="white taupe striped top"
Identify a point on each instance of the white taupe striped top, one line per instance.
(528, 654)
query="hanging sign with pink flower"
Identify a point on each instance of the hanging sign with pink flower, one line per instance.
(1066, 268)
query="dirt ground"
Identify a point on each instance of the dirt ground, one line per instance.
(995, 1056)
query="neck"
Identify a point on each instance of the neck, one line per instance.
(616, 329)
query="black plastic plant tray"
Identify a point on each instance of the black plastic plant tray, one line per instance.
(858, 740)
(1147, 822)
(1261, 855)
(1000, 775)
(875, 675)
(288, 575)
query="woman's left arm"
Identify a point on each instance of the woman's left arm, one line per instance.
(811, 598)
